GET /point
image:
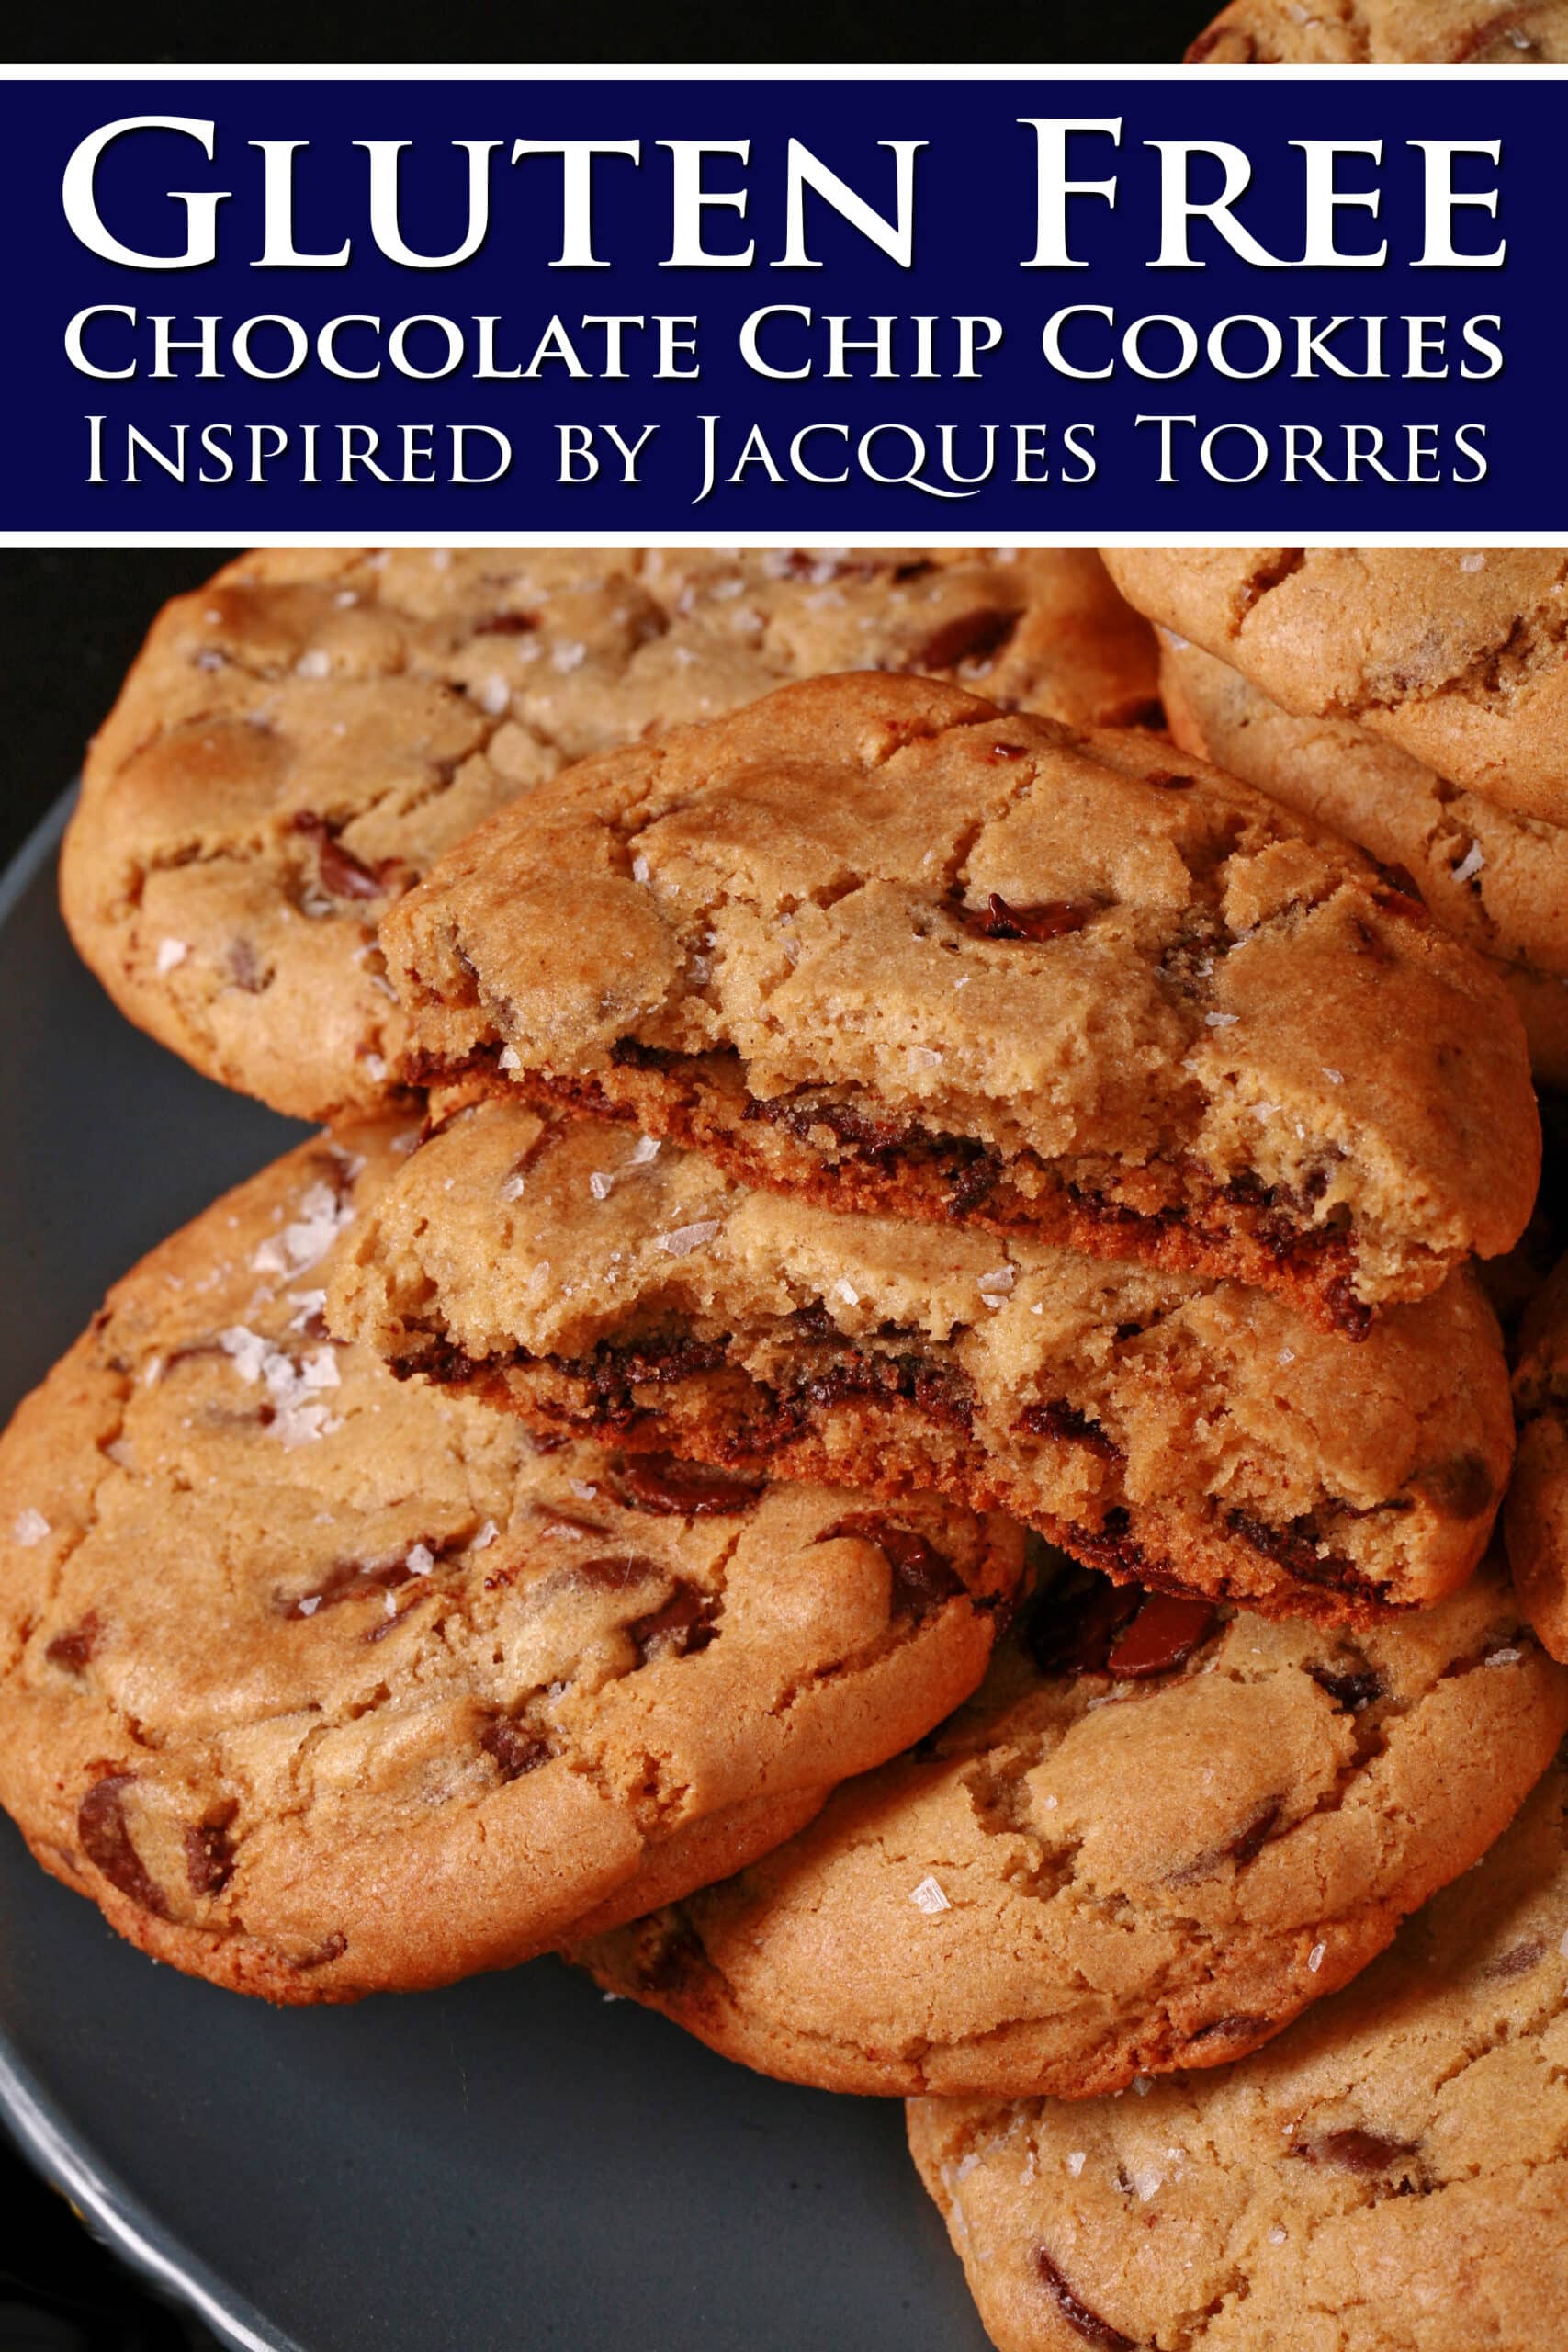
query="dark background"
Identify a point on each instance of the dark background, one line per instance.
(71, 621)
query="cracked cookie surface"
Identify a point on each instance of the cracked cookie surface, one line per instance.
(1495, 879)
(1175, 1431)
(1390, 2175)
(1536, 1511)
(875, 943)
(319, 1684)
(1385, 32)
(301, 738)
(1157, 1833)
(1455, 655)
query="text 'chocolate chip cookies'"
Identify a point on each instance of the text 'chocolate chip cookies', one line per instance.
(1151, 1840)
(303, 737)
(1176, 1431)
(320, 1685)
(874, 943)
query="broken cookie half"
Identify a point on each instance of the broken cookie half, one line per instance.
(873, 943)
(1178, 1431)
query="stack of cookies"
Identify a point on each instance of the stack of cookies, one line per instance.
(876, 1414)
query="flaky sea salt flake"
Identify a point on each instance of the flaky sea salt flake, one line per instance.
(929, 1897)
(687, 1238)
(29, 1527)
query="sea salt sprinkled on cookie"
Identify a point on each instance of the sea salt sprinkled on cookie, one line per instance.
(687, 1238)
(170, 953)
(421, 1559)
(1076, 2160)
(1315, 1957)
(1470, 864)
(929, 1897)
(29, 1527)
(508, 1059)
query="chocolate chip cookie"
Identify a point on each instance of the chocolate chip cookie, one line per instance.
(302, 738)
(1384, 32)
(1157, 1833)
(1390, 2175)
(1178, 1432)
(319, 1684)
(875, 943)
(1455, 655)
(1494, 878)
(1535, 1514)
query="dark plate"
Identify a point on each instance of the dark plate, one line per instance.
(512, 2164)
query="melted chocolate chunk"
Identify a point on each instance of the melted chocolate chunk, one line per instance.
(1250, 1842)
(353, 1579)
(1072, 1623)
(628, 1053)
(1230, 2027)
(1460, 1488)
(683, 1626)
(1057, 1419)
(106, 1840)
(1111, 1545)
(968, 637)
(331, 1948)
(210, 1857)
(1295, 1549)
(616, 1571)
(923, 1579)
(864, 1131)
(507, 625)
(1164, 1635)
(658, 1482)
(1075, 2312)
(942, 1391)
(344, 875)
(1355, 2151)
(976, 1177)
(73, 1648)
(1052, 920)
(1350, 1690)
(514, 1748)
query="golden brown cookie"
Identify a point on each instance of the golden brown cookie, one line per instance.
(1385, 32)
(1390, 2175)
(1494, 878)
(299, 740)
(1178, 1432)
(1535, 1514)
(319, 1684)
(1154, 1837)
(1455, 655)
(874, 944)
